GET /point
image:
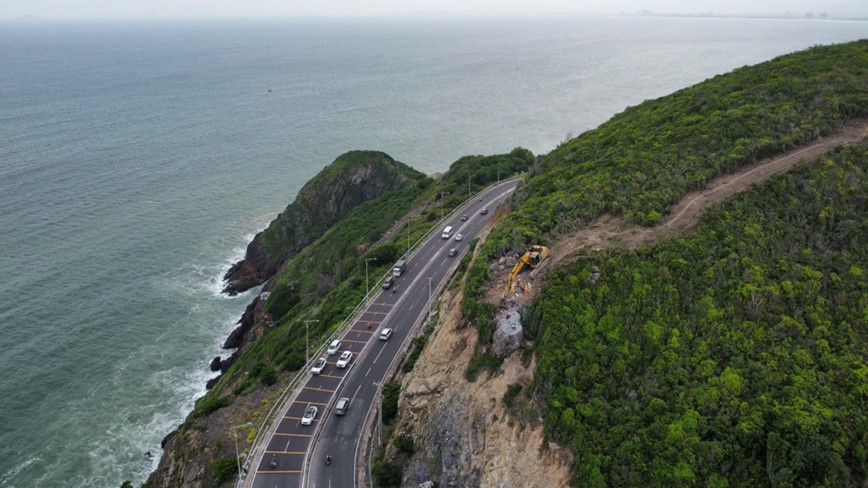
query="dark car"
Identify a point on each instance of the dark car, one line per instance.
(464, 218)
(453, 251)
(342, 406)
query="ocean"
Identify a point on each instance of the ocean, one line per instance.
(137, 159)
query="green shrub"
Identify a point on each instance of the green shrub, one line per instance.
(404, 444)
(225, 469)
(386, 474)
(211, 402)
(512, 391)
(418, 346)
(391, 392)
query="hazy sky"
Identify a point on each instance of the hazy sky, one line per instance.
(378, 8)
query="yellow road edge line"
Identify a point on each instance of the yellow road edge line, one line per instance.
(285, 452)
(293, 435)
(355, 341)
(317, 389)
(278, 472)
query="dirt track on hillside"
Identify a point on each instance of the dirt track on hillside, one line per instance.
(608, 231)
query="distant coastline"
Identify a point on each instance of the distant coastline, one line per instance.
(808, 16)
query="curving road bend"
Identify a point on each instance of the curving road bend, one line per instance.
(297, 451)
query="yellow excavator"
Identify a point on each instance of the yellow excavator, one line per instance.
(533, 257)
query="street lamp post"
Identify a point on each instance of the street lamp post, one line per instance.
(379, 426)
(367, 286)
(408, 235)
(306, 340)
(237, 455)
(429, 295)
(442, 203)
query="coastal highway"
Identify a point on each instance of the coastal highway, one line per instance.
(298, 452)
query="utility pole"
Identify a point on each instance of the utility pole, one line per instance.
(408, 236)
(306, 340)
(367, 286)
(442, 203)
(237, 455)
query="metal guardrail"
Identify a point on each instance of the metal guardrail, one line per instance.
(293, 383)
(423, 317)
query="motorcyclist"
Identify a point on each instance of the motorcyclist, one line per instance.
(328, 459)
(273, 460)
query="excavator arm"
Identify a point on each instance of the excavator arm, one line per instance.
(533, 257)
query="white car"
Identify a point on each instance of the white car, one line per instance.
(344, 360)
(318, 366)
(458, 237)
(333, 347)
(385, 334)
(309, 415)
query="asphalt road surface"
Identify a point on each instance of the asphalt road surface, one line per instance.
(285, 459)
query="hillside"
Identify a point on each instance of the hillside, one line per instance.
(310, 294)
(632, 410)
(353, 178)
(736, 356)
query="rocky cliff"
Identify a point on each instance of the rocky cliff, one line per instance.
(353, 178)
(465, 433)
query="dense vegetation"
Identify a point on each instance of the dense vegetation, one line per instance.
(737, 356)
(645, 159)
(327, 279)
(353, 178)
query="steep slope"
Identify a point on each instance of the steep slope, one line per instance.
(734, 357)
(354, 177)
(639, 168)
(323, 281)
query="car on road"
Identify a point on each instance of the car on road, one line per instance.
(458, 237)
(344, 360)
(484, 211)
(342, 406)
(464, 218)
(385, 334)
(333, 347)
(388, 282)
(453, 251)
(309, 415)
(318, 366)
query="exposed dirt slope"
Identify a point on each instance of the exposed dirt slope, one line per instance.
(608, 231)
(463, 433)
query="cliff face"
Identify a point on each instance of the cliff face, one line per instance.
(463, 433)
(353, 178)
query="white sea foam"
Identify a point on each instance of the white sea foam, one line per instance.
(9, 476)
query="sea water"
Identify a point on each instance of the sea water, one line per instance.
(137, 159)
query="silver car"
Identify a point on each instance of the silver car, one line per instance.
(309, 415)
(344, 360)
(318, 366)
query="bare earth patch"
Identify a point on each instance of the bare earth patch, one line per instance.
(608, 231)
(463, 429)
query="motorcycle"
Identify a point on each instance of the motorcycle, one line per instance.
(328, 460)
(273, 461)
